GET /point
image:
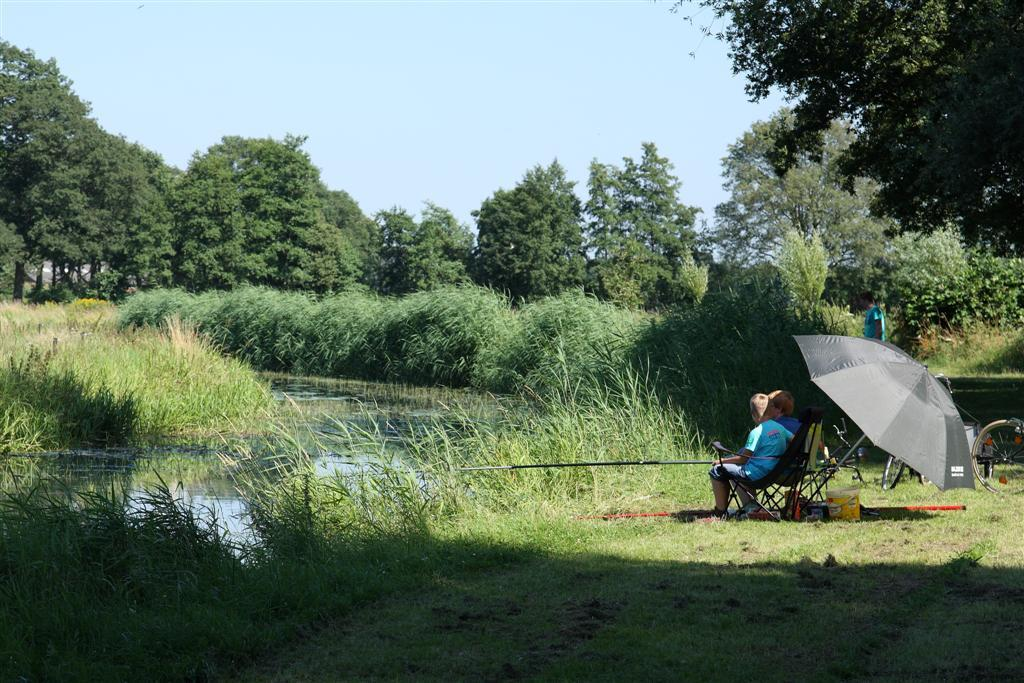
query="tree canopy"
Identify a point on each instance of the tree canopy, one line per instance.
(530, 238)
(933, 88)
(811, 197)
(249, 211)
(640, 235)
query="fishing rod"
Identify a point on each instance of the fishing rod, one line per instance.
(600, 463)
(597, 463)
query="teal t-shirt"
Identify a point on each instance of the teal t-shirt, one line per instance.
(874, 317)
(767, 441)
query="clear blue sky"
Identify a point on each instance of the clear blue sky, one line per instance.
(406, 101)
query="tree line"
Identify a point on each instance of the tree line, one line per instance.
(820, 189)
(108, 216)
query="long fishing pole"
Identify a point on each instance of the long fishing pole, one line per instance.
(598, 463)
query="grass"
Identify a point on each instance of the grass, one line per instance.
(490, 575)
(982, 350)
(68, 377)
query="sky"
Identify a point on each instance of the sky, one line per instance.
(404, 102)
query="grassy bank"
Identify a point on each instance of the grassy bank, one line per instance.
(69, 377)
(980, 350)
(492, 576)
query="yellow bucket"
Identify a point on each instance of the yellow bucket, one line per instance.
(843, 503)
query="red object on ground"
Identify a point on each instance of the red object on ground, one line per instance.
(929, 508)
(628, 515)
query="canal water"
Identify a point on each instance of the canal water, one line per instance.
(311, 411)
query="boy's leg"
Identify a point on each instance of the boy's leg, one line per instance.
(721, 489)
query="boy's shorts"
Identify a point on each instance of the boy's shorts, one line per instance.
(728, 472)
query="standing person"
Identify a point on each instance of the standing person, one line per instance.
(765, 444)
(874, 318)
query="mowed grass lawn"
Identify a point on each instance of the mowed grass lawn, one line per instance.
(911, 596)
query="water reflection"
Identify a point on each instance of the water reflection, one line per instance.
(312, 411)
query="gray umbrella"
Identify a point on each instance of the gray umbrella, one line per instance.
(896, 401)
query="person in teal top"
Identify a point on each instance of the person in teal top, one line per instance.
(765, 444)
(874, 318)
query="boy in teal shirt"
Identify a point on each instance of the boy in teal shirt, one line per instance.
(874, 318)
(765, 443)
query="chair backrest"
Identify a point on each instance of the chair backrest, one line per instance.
(790, 465)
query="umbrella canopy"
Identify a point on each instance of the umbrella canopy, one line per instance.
(898, 404)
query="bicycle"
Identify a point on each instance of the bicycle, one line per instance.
(998, 456)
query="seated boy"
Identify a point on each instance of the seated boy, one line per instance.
(765, 443)
(783, 400)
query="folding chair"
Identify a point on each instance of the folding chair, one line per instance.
(778, 491)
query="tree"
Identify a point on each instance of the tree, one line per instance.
(397, 231)
(248, 211)
(530, 239)
(440, 251)
(43, 132)
(639, 234)
(360, 232)
(417, 256)
(933, 88)
(803, 265)
(811, 197)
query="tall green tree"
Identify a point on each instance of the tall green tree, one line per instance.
(530, 238)
(249, 211)
(397, 233)
(44, 133)
(360, 231)
(441, 249)
(812, 197)
(639, 233)
(422, 255)
(933, 88)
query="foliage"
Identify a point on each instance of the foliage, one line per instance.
(360, 232)
(933, 89)
(638, 231)
(566, 339)
(248, 212)
(87, 202)
(417, 256)
(811, 197)
(936, 281)
(803, 265)
(709, 359)
(693, 280)
(529, 239)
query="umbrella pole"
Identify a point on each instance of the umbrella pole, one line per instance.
(853, 449)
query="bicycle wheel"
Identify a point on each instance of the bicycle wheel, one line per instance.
(998, 456)
(893, 471)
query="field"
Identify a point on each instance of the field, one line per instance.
(390, 573)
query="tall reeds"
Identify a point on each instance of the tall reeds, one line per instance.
(63, 386)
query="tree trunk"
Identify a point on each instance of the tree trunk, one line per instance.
(19, 280)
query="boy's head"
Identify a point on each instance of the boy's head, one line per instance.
(783, 400)
(761, 408)
(867, 300)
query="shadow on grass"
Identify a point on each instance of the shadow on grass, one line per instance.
(594, 617)
(51, 409)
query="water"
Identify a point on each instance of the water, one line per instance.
(312, 411)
